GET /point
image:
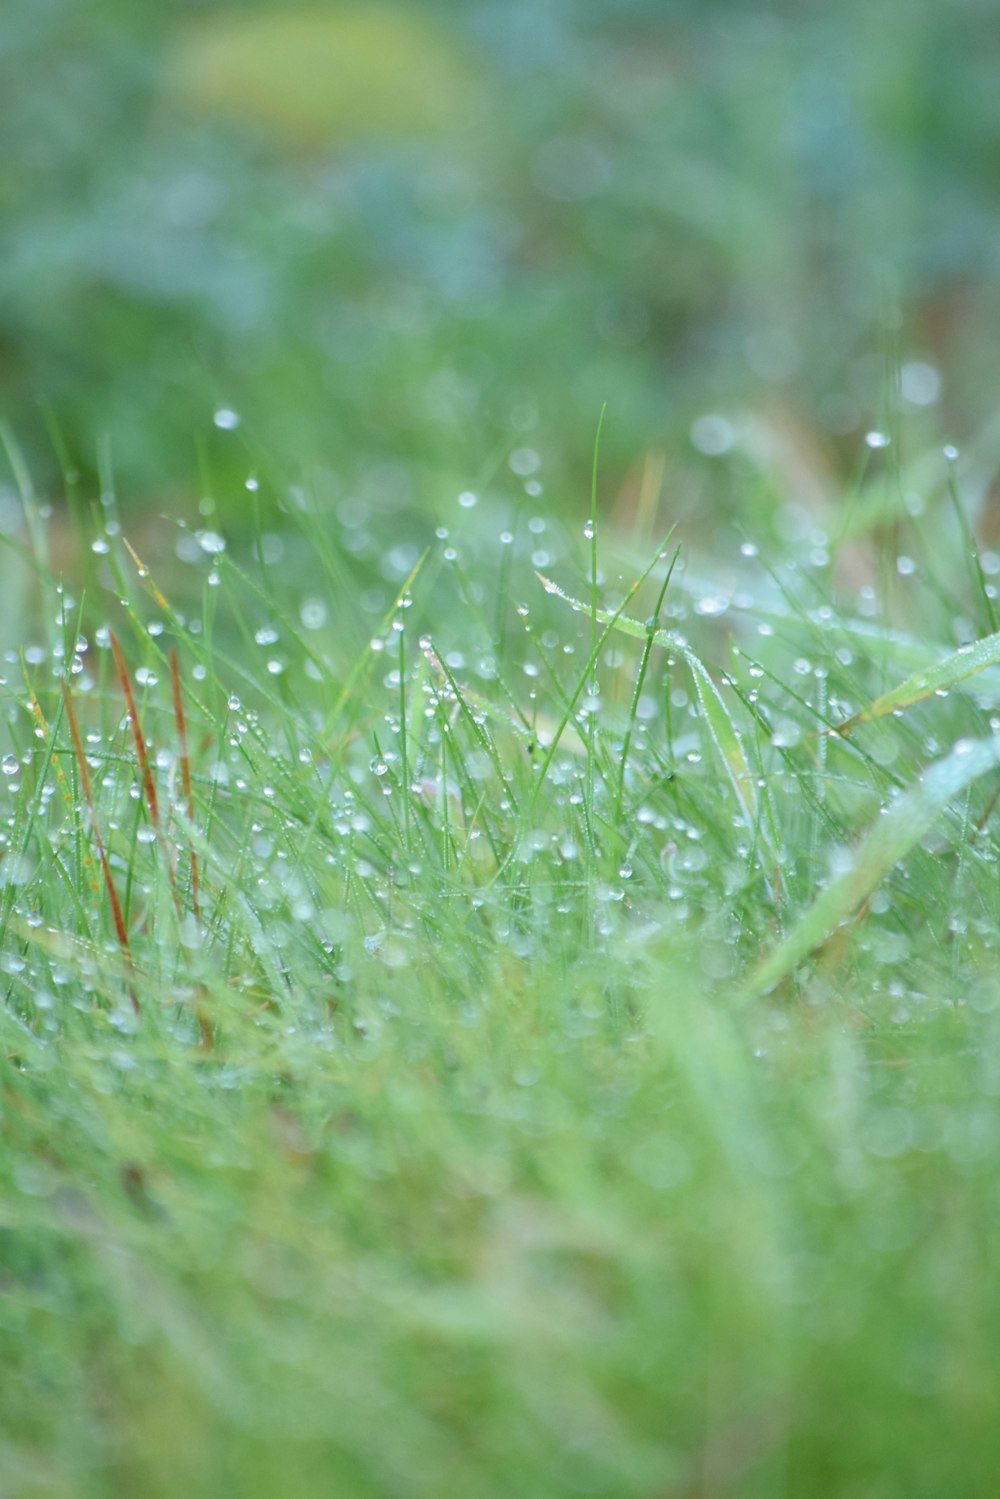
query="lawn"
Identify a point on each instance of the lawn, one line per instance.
(500, 879)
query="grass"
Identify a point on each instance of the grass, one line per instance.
(527, 1046)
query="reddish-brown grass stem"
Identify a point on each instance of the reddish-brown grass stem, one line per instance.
(81, 760)
(149, 786)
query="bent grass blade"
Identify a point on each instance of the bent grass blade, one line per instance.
(955, 668)
(611, 621)
(890, 840)
(725, 735)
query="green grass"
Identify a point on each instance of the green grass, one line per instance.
(542, 1056)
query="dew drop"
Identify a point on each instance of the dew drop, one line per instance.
(211, 542)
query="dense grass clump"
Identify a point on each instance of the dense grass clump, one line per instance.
(541, 1038)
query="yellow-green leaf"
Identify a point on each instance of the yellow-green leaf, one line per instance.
(310, 76)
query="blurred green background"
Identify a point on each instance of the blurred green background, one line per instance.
(400, 240)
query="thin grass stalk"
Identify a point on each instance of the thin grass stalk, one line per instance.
(116, 910)
(185, 761)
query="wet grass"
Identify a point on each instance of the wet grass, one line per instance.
(493, 1044)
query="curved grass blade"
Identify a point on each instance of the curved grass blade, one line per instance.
(955, 668)
(722, 728)
(611, 621)
(729, 746)
(647, 651)
(889, 841)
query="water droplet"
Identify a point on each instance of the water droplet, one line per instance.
(467, 499)
(100, 546)
(875, 440)
(712, 605)
(210, 542)
(226, 419)
(713, 435)
(266, 635)
(919, 383)
(951, 453)
(524, 461)
(313, 614)
(10, 765)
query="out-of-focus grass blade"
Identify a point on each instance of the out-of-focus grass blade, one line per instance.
(941, 677)
(890, 840)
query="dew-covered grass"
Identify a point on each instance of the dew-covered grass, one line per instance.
(520, 1020)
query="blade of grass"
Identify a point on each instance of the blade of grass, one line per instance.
(724, 733)
(890, 840)
(729, 747)
(185, 764)
(145, 769)
(81, 760)
(972, 550)
(966, 662)
(594, 648)
(610, 621)
(652, 624)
